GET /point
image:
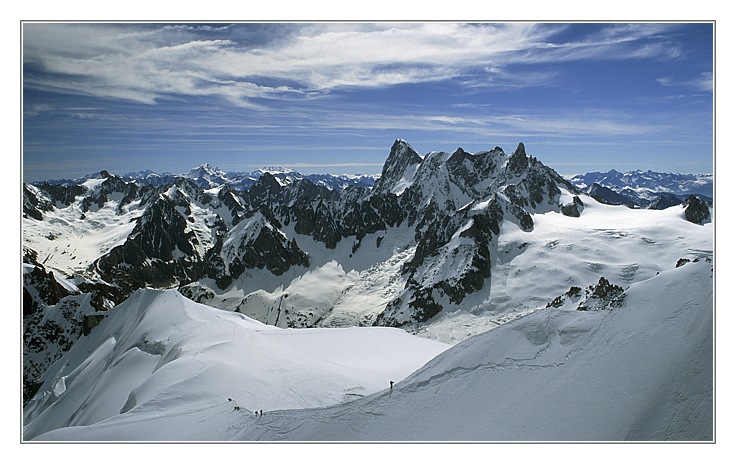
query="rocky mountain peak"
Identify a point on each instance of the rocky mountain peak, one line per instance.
(518, 162)
(398, 166)
(520, 150)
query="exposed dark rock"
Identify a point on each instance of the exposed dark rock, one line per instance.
(228, 197)
(518, 162)
(267, 248)
(401, 156)
(159, 251)
(574, 292)
(33, 206)
(574, 208)
(603, 295)
(425, 306)
(47, 335)
(664, 201)
(696, 210)
(104, 296)
(41, 288)
(606, 196)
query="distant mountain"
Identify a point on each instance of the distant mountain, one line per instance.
(208, 177)
(445, 244)
(655, 190)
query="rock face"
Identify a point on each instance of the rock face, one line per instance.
(254, 243)
(602, 296)
(574, 208)
(195, 230)
(696, 210)
(399, 168)
(456, 204)
(207, 238)
(53, 316)
(39, 286)
(430, 223)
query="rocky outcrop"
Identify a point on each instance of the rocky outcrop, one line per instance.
(603, 295)
(574, 208)
(39, 286)
(44, 197)
(518, 162)
(399, 166)
(34, 204)
(696, 210)
(156, 252)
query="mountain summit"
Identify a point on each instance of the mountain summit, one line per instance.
(445, 244)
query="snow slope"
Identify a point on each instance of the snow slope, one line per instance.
(529, 269)
(642, 371)
(68, 240)
(169, 362)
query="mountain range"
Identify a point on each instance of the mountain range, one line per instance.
(644, 189)
(445, 246)
(207, 177)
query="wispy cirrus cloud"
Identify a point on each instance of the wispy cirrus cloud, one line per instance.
(247, 64)
(701, 82)
(314, 93)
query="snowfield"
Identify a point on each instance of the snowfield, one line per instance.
(161, 358)
(162, 368)
(514, 360)
(529, 269)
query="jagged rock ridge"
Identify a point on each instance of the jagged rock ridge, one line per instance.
(426, 234)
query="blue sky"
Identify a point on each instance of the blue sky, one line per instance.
(332, 97)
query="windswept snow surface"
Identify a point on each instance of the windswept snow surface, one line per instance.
(642, 371)
(161, 367)
(529, 269)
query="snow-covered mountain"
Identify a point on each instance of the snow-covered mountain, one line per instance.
(642, 189)
(163, 368)
(445, 246)
(209, 177)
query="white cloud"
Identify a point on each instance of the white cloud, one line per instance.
(145, 62)
(702, 82)
(34, 110)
